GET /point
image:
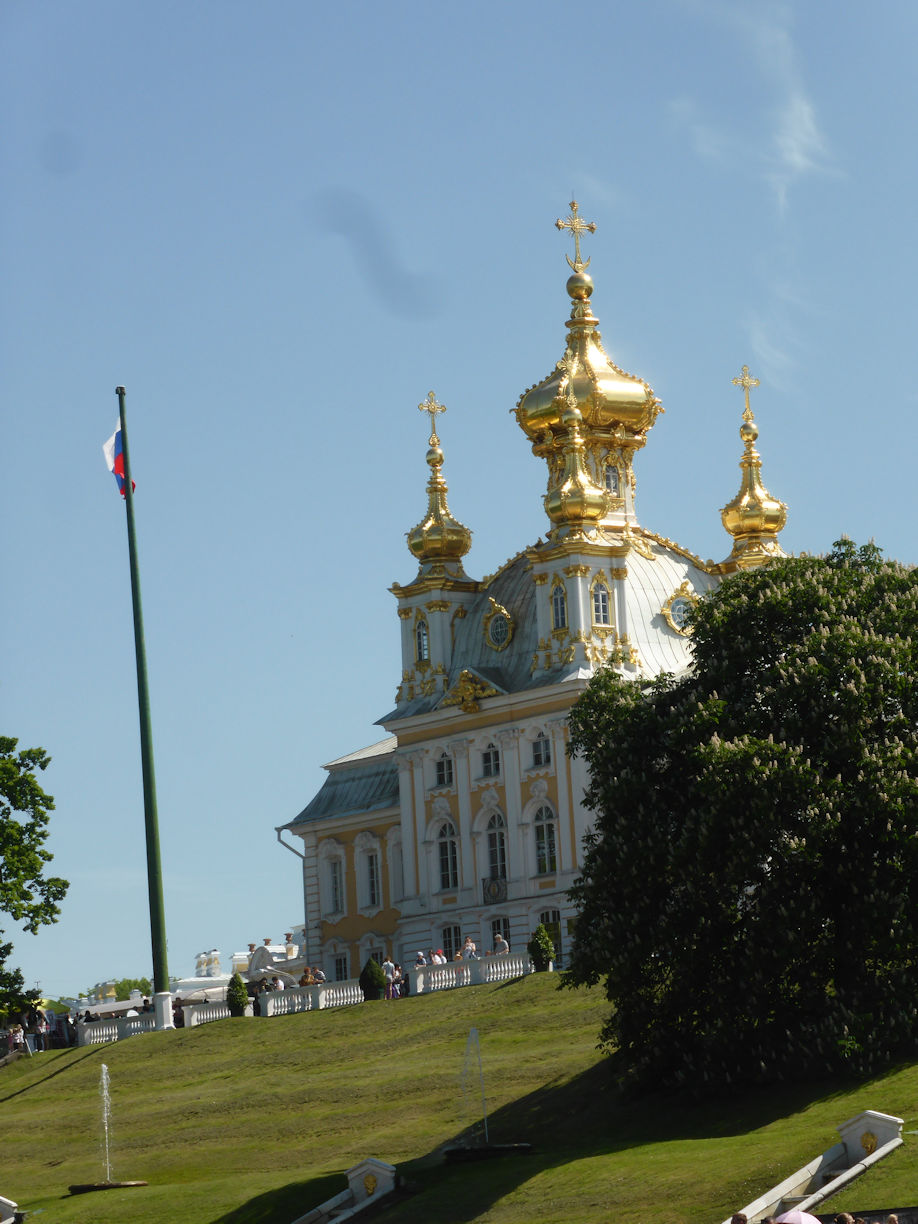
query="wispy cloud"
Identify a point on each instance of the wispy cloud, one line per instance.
(795, 145)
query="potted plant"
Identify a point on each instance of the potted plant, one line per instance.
(541, 949)
(237, 997)
(372, 980)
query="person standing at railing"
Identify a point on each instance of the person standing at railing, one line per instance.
(500, 946)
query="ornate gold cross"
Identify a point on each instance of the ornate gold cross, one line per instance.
(746, 382)
(576, 224)
(432, 407)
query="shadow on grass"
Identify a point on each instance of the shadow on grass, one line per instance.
(287, 1202)
(69, 1065)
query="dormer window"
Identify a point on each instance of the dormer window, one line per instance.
(490, 762)
(421, 641)
(444, 770)
(541, 750)
(558, 607)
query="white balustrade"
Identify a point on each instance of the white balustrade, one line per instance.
(427, 978)
(116, 1028)
(423, 979)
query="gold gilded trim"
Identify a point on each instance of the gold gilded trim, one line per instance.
(497, 610)
(686, 594)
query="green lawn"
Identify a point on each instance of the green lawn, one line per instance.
(256, 1120)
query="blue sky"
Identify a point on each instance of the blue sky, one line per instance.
(279, 226)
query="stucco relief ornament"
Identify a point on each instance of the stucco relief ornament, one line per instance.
(539, 789)
(467, 692)
(490, 799)
(441, 807)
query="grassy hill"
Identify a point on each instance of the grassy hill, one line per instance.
(256, 1120)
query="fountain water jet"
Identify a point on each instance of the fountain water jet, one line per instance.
(108, 1184)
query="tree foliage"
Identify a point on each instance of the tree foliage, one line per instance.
(124, 986)
(26, 893)
(237, 997)
(750, 887)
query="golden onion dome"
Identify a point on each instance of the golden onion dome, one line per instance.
(439, 536)
(608, 397)
(574, 503)
(754, 517)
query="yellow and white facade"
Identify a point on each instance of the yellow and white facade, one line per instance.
(468, 819)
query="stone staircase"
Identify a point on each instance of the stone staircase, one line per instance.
(865, 1139)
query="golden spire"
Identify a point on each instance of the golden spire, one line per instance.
(753, 517)
(438, 537)
(577, 226)
(616, 409)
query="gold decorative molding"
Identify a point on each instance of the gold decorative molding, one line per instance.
(498, 614)
(369, 1182)
(577, 571)
(619, 572)
(677, 607)
(539, 579)
(467, 692)
(404, 613)
(868, 1139)
(437, 605)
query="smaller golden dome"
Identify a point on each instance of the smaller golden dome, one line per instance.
(439, 536)
(575, 503)
(754, 517)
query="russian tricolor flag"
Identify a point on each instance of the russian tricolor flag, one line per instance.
(114, 457)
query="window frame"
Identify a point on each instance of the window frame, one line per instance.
(545, 833)
(448, 856)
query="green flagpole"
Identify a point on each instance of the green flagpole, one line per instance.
(154, 868)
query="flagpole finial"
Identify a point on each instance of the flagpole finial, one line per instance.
(120, 391)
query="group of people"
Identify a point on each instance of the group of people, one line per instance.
(396, 981)
(33, 1032)
(468, 951)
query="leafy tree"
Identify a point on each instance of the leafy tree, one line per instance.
(26, 893)
(541, 948)
(124, 986)
(750, 888)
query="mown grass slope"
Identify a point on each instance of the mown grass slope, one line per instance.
(256, 1120)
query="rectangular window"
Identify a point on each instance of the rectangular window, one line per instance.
(601, 606)
(336, 886)
(373, 891)
(341, 968)
(546, 855)
(490, 762)
(541, 751)
(449, 863)
(452, 941)
(445, 771)
(378, 954)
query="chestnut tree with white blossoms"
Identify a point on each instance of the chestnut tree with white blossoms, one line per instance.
(749, 892)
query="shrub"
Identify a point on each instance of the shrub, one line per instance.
(236, 996)
(372, 980)
(541, 948)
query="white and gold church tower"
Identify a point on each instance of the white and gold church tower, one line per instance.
(467, 819)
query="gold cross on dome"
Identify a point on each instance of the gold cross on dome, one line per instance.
(432, 407)
(746, 382)
(576, 224)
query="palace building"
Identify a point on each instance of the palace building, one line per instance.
(467, 819)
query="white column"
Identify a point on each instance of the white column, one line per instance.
(410, 845)
(558, 728)
(462, 757)
(416, 760)
(511, 767)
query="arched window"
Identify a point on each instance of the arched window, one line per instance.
(558, 607)
(497, 848)
(611, 480)
(421, 641)
(449, 856)
(545, 844)
(601, 612)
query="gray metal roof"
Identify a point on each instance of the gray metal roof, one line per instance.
(365, 786)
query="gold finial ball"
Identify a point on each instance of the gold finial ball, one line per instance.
(571, 416)
(435, 457)
(580, 286)
(749, 431)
